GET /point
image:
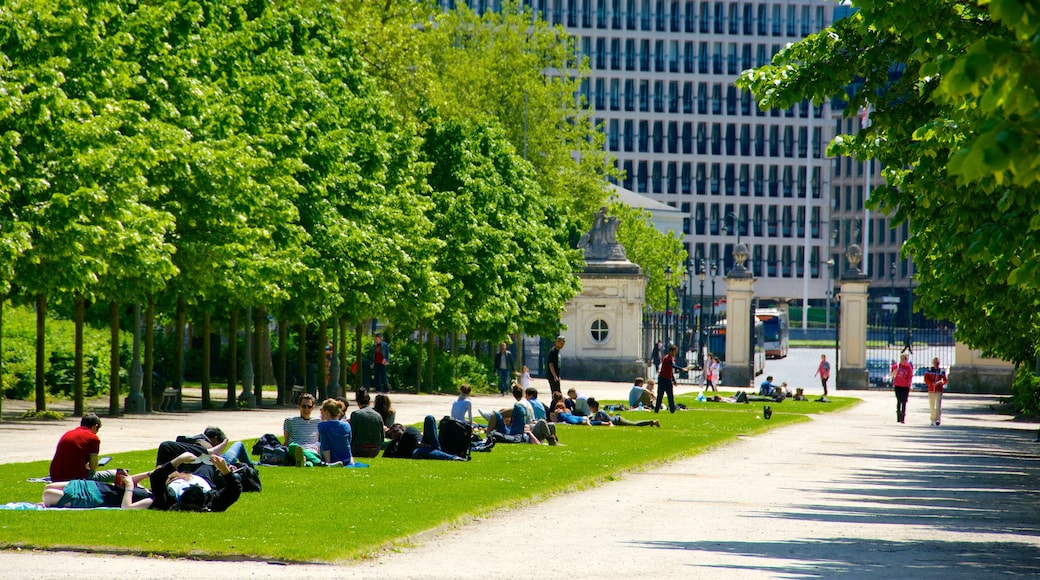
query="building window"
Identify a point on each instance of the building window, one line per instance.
(599, 332)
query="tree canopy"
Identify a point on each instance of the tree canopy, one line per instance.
(953, 96)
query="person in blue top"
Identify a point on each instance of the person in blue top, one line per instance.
(334, 434)
(639, 396)
(767, 388)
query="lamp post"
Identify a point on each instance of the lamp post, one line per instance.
(736, 219)
(667, 304)
(700, 319)
(714, 271)
(830, 291)
(690, 265)
(891, 313)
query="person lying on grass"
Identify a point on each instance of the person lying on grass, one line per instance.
(211, 487)
(409, 443)
(560, 414)
(125, 493)
(602, 418)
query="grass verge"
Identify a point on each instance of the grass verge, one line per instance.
(336, 514)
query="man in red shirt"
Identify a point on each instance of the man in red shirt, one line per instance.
(76, 456)
(666, 380)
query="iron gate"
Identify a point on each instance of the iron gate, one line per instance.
(892, 331)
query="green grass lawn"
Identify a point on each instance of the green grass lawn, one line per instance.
(332, 514)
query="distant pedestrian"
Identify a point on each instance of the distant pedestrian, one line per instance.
(935, 378)
(503, 367)
(903, 375)
(553, 365)
(656, 356)
(824, 372)
(380, 361)
(666, 380)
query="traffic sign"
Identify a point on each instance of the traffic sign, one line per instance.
(892, 307)
(890, 299)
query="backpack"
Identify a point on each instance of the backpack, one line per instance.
(454, 436)
(270, 455)
(265, 440)
(250, 477)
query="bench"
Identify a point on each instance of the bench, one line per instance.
(170, 398)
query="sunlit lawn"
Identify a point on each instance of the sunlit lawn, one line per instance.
(331, 514)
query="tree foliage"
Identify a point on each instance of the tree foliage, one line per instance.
(954, 100)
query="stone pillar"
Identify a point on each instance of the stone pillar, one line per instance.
(852, 367)
(973, 373)
(740, 295)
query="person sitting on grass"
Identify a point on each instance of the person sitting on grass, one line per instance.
(367, 427)
(577, 403)
(605, 419)
(334, 434)
(211, 487)
(767, 388)
(409, 443)
(386, 410)
(540, 412)
(462, 408)
(301, 434)
(639, 396)
(125, 493)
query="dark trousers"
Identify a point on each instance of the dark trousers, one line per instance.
(379, 379)
(902, 395)
(664, 387)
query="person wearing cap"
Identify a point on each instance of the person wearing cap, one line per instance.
(553, 365)
(380, 360)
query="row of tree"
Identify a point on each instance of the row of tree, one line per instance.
(954, 100)
(321, 162)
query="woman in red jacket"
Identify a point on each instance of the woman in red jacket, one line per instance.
(903, 375)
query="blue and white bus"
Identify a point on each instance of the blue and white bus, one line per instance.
(776, 331)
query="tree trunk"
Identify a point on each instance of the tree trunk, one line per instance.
(41, 332)
(429, 360)
(232, 370)
(323, 361)
(283, 362)
(113, 359)
(149, 353)
(178, 347)
(301, 355)
(77, 391)
(359, 330)
(206, 358)
(341, 351)
(419, 360)
(258, 355)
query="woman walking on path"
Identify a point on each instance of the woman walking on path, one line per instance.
(903, 375)
(824, 372)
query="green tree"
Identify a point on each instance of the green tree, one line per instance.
(515, 68)
(502, 268)
(649, 248)
(954, 98)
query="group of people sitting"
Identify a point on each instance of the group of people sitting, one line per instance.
(193, 473)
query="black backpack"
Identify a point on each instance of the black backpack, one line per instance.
(455, 436)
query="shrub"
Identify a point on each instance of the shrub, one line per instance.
(1026, 391)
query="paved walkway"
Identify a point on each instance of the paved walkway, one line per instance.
(853, 495)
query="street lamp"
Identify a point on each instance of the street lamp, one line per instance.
(830, 291)
(736, 219)
(891, 313)
(690, 265)
(667, 304)
(714, 271)
(700, 319)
